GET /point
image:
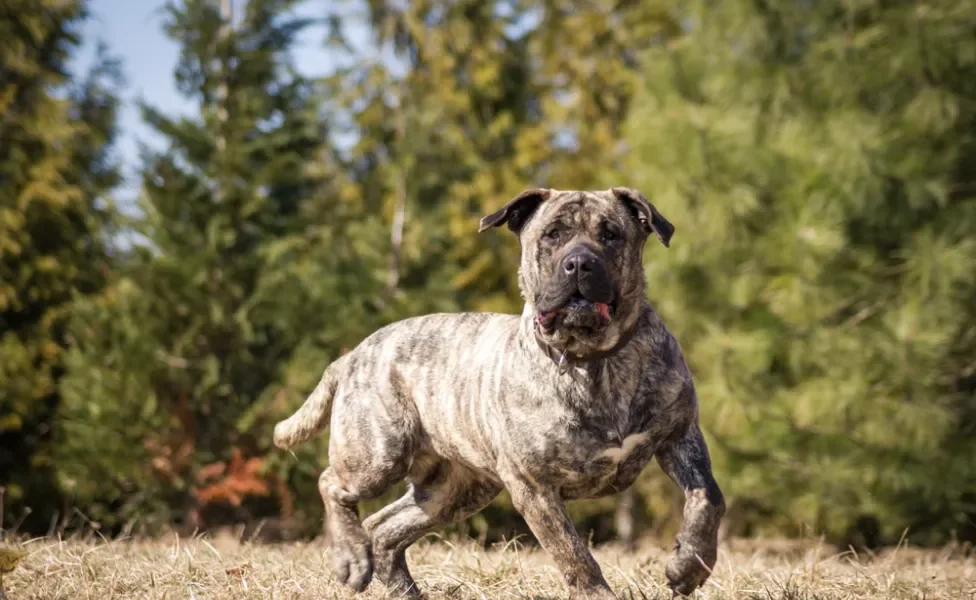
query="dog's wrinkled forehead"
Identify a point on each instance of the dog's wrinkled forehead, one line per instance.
(581, 211)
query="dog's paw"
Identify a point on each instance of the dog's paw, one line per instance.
(352, 562)
(689, 568)
(391, 570)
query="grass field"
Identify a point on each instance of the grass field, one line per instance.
(223, 568)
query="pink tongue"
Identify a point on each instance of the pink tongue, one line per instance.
(604, 310)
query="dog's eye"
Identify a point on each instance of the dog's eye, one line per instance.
(610, 235)
(553, 234)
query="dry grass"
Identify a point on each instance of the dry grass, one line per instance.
(223, 568)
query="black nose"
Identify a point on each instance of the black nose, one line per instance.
(575, 264)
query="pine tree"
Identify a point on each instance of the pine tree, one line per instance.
(167, 393)
(56, 168)
(817, 160)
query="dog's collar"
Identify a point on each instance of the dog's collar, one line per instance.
(565, 358)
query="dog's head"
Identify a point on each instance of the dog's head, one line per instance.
(581, 271)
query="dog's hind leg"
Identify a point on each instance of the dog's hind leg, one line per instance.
(440, 493)
(368, 453)
(352, 556)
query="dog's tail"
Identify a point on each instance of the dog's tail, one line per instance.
(314, 415)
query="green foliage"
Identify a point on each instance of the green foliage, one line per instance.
(55, 169)
(818, 162)
(486, 99)
(176, 366)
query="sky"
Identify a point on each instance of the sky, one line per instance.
(133, 31)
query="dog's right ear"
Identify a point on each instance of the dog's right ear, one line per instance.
(517, 211)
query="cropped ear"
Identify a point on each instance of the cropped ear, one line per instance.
(644, 211)
(517, 211)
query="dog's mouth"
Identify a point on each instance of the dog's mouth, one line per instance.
(578, 313)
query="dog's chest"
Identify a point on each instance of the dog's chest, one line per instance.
(589, 463)
(602, 431)
(582, 453)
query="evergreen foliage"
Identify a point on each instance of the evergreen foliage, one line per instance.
(187, 349)
(56, 168)
(818, 162)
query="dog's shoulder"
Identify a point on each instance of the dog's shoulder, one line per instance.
(664, 377)
(659, 348)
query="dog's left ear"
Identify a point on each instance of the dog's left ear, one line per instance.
(644, 211)
(517, 211)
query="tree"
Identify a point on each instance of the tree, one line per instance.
(56, 169)
(171, 384)
(491, 98)
(817, 160)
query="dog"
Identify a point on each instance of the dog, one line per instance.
(569, 400)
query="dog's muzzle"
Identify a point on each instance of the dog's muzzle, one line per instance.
(579, 294)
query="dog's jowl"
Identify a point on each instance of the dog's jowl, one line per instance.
(569, 400)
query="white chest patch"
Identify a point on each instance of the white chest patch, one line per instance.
(618, 453)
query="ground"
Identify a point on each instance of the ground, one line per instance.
(223, 568)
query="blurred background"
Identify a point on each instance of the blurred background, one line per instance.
(203, 202)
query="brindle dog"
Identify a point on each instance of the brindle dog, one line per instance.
(569, 400)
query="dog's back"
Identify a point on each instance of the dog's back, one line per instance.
(417, 349)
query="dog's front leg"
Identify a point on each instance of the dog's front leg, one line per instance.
(545, 513)
(687, 462)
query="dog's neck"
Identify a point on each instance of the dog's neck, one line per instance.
(563, 358)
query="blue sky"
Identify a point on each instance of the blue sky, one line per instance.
(133, 30)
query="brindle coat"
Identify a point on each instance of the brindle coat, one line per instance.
(569, 400)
